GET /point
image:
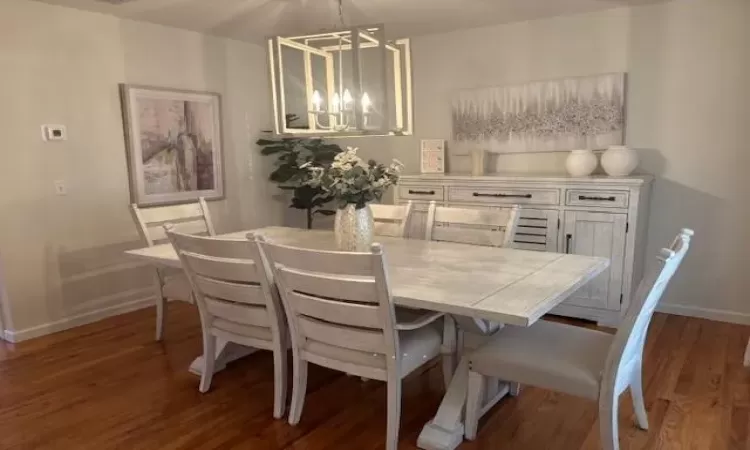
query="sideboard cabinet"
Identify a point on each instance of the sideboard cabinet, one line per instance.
(596, 216)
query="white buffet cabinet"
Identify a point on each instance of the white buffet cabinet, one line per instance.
(596, 216)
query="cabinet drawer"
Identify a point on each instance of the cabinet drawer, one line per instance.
(504, 196)
(604, 199)
(420, 192)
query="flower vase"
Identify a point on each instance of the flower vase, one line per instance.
(353, 228)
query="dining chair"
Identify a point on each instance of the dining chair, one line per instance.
(490, 227)
(237, 301)
(341, 316)
(191, 218)
(391, 220)
(579, 361)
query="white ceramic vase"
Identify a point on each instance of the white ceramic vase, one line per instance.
(581, 163)
(619, 160)
(353, 228)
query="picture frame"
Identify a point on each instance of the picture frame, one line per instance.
(174, 146)
(432, 156)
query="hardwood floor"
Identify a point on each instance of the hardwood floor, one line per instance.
(110, 386)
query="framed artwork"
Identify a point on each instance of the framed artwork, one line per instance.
(173, 140)
(432, 154)
(543, 116)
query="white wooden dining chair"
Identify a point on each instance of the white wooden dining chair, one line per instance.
(341, 316)
(491, 227)
(391, 220)
(190, 218)
(579, 361)
(237, 301)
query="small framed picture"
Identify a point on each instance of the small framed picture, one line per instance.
(433, 156)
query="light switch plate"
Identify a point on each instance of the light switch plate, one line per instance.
(54, 133)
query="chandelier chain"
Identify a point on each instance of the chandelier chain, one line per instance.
(341, 13)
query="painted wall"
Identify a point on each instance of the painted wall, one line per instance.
(62, 255)
(688, 66)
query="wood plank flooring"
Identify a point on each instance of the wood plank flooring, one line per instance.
(110, 386)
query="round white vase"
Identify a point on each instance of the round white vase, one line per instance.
(619, 160)
(581, 163)
(353, 228)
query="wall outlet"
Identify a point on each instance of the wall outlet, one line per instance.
(61, 188)
(54, 133)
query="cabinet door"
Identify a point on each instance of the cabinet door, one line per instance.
(537, 230)
(597, 234)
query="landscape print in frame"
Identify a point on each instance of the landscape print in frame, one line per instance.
(173, 140)
(556, 115)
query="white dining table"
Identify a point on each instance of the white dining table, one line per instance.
(478, 286)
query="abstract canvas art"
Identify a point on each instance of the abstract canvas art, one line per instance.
(174, 144)
(557, 115)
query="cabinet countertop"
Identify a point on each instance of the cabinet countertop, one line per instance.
(531, 177)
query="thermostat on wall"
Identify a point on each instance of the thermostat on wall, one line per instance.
(54, 133)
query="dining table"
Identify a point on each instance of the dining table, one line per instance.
(483, 289)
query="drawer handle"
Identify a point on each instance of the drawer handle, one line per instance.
(479, 194)
(413, 192)
(597, 198)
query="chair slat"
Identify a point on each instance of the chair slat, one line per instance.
(343, 336)
(354, 314)
(164, 214)
(157, 232)
(345, 263)
(242, 314)
(234, 292)
(243, 271)
(466, 216)
(387, 229)
(474, 237)
(330, 286)
(218, 248)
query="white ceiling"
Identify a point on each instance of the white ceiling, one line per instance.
(252, 20)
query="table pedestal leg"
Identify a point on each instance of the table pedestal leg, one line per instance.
(226, 352)
(446, 430)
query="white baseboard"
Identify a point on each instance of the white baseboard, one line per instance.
(719, 315)
(77, 320)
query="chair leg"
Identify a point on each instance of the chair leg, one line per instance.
(280, 371)
(299, 389)
(608, 427)
(449, 349)
(209, 357)
(515, 389)
(161, 316)
(473, 404)
(394, 413)
(636, 392)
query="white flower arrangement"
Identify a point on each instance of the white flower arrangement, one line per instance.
(351, 180)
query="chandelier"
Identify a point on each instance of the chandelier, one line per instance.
(347, 82)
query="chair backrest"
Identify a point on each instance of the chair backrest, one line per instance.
(188, 218)
(232, 286)
(627, 346)
(338, 306)
(491, 227)
(391, 220)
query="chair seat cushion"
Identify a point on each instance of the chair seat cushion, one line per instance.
(419, 346)
(550, 355)
(416, 346)
(177, 287)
